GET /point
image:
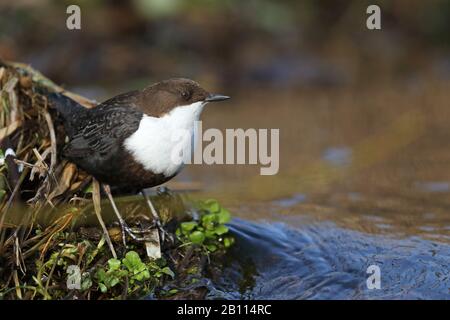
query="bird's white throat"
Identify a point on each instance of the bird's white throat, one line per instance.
(152, 144)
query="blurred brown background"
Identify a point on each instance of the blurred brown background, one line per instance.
(230, 44)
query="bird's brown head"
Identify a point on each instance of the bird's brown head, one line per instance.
(162, 97)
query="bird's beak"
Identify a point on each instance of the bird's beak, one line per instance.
(212, 97)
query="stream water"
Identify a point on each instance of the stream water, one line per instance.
(364, 181)
(324, 261)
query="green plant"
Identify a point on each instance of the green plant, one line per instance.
(133, 270)
(209, 232)
(110, 276)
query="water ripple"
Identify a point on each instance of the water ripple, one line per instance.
(323, 261)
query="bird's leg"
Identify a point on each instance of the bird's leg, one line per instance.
(123, 224)
(156, 217)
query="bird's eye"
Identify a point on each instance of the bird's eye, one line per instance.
(186, 95)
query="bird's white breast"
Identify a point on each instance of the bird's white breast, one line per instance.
(153, 143)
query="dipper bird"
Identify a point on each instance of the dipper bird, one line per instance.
(127, 141)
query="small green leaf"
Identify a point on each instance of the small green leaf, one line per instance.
(188, 226)
(173, 291)
(212, 205)
(209, 225)
(168, 271)
(86, 282)
(101, 275)
(113, 281)
(102, 287)
(221, 229)
(132, 260)
(227, 242)
(142, 275)
(113, 264)
(197, 237)
(209, 218)
(224, 216)
(211, 247)
(210, 234)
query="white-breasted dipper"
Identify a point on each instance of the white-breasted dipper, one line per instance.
(126, 142)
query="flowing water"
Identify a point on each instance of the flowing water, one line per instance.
(364, 180)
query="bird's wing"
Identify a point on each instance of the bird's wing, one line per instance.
(102, 129)
(122, 100)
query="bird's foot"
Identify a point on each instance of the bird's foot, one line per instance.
(135, 233)
(163, 191)
(149, 236)
(156, 218)
(162, 231)
(145, 234)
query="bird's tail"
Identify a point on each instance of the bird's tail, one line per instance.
(65, 106)
(67, 109)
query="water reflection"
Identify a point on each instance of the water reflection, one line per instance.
(338, 156)
(434, 186)
(291, 201)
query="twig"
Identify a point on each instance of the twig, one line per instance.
(98, 212)
(18, 254)
(17, 284)
(8, 205)
(58, 229)
(40, 165)
(51, 129)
